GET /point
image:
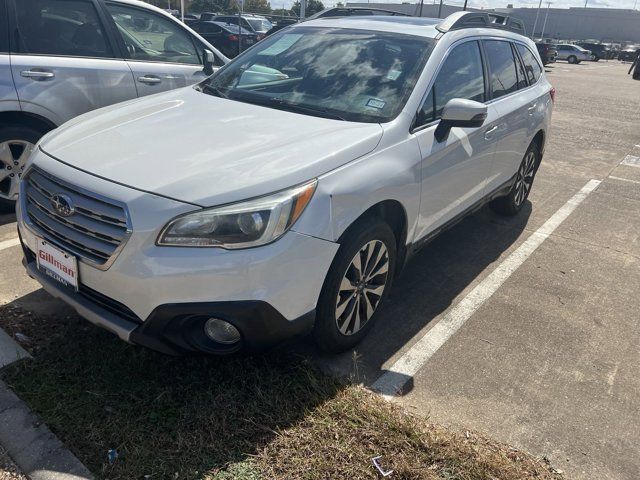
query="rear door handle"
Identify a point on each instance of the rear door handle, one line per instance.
(37, 75)
(532, 108)
(488, 135)
(150, 79)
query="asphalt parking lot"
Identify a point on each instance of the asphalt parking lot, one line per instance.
(548, 359)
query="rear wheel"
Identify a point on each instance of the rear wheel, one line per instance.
(357, 284)
(513, 202)
(16, 144)
(572, 59)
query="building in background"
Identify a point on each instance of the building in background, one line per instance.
(604, 24)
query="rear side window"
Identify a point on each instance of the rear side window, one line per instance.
(502, 68)
(60, 27)
(531, 65)
(461, 76)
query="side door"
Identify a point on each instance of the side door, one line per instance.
(563, 52)
(455, 171)
(63, 61)
(161, 53)
(515, 105)
(8, 94)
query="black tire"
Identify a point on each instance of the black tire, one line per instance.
(14, 134)
(327, 334)
(596, 59)
(512, 203)
(572, 59)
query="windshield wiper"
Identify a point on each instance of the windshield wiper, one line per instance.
(206, 88)
(303, 108)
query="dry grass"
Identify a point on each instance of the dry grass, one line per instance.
(339, 438)
(8, 470)
(271, 417)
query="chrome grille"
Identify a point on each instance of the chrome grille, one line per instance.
(94, 232)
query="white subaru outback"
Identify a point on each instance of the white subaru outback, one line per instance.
(252, 208)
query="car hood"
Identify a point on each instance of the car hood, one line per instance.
(206, 150)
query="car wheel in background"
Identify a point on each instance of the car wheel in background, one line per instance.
(357, 284)
(572, 59)
(16, 144)
(513, 202)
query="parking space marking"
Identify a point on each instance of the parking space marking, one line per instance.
(631, 161)
(9, 243)
(390, 383)
(624, 179)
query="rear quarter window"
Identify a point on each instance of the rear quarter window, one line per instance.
(531, 65)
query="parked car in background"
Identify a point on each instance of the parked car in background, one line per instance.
(229, 39)
(547, 51)
(254, 23)
(628, 54)
(281, 23)
(380, 133)
(598, 50)
(59, 59)
(356, 12)
(572, 53)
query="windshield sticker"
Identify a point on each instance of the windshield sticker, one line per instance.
(281, 45)
(393, 74)
(376, 103)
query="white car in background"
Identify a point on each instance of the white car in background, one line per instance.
(573, 53)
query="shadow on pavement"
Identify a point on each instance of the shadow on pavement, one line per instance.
(7, 217)
(430, 284)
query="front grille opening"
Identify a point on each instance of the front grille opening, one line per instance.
(96, 227)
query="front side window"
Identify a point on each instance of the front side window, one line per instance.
(461, 76)
(60, 27)
(502, 67)
(353, 75)
(150, 37)
(531, 65)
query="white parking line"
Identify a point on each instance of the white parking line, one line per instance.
(9, 243)
(624, 179)
(392, 381)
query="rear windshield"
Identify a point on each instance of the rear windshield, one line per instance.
(260, 24)
(353, 75)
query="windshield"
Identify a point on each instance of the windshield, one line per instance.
(353, 75)
(260, 24)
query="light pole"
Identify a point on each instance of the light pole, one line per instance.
(303, 9)
(544, 24)
(440, 9)
(535, 24)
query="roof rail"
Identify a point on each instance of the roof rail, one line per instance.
(355, 12)
(460, 20)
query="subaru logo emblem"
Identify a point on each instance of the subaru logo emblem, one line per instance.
(62, 205)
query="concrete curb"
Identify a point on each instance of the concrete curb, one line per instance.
(32, 446)
(10, 351)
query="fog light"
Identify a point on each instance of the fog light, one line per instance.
(221, 331)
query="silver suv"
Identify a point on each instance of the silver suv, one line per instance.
(62, 58)
(254, 207)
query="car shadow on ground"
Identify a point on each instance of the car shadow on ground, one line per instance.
(430, 283)
(7, 217)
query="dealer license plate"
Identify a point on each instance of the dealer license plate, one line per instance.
(59, 265)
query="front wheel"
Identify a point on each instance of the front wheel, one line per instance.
(513, 202)
(16, 145)
(356, 286)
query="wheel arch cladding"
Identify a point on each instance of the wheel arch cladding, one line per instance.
(29, 120)
(539, 140)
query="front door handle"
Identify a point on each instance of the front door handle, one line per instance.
(150, 79)
(488, 135)
(37, 74)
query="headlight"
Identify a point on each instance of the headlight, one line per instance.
(241, 225)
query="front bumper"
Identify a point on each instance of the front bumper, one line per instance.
(159, 296)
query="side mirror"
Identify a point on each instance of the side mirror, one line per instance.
(209, 60)
(459, 112)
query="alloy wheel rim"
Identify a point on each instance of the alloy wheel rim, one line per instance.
(362, 287)
(524, 180)
(13, 158)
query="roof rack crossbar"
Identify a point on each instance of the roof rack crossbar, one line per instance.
(460, 20)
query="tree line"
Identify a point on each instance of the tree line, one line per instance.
(232, 6)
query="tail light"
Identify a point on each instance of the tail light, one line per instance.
(552, 92)
(233, 38)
